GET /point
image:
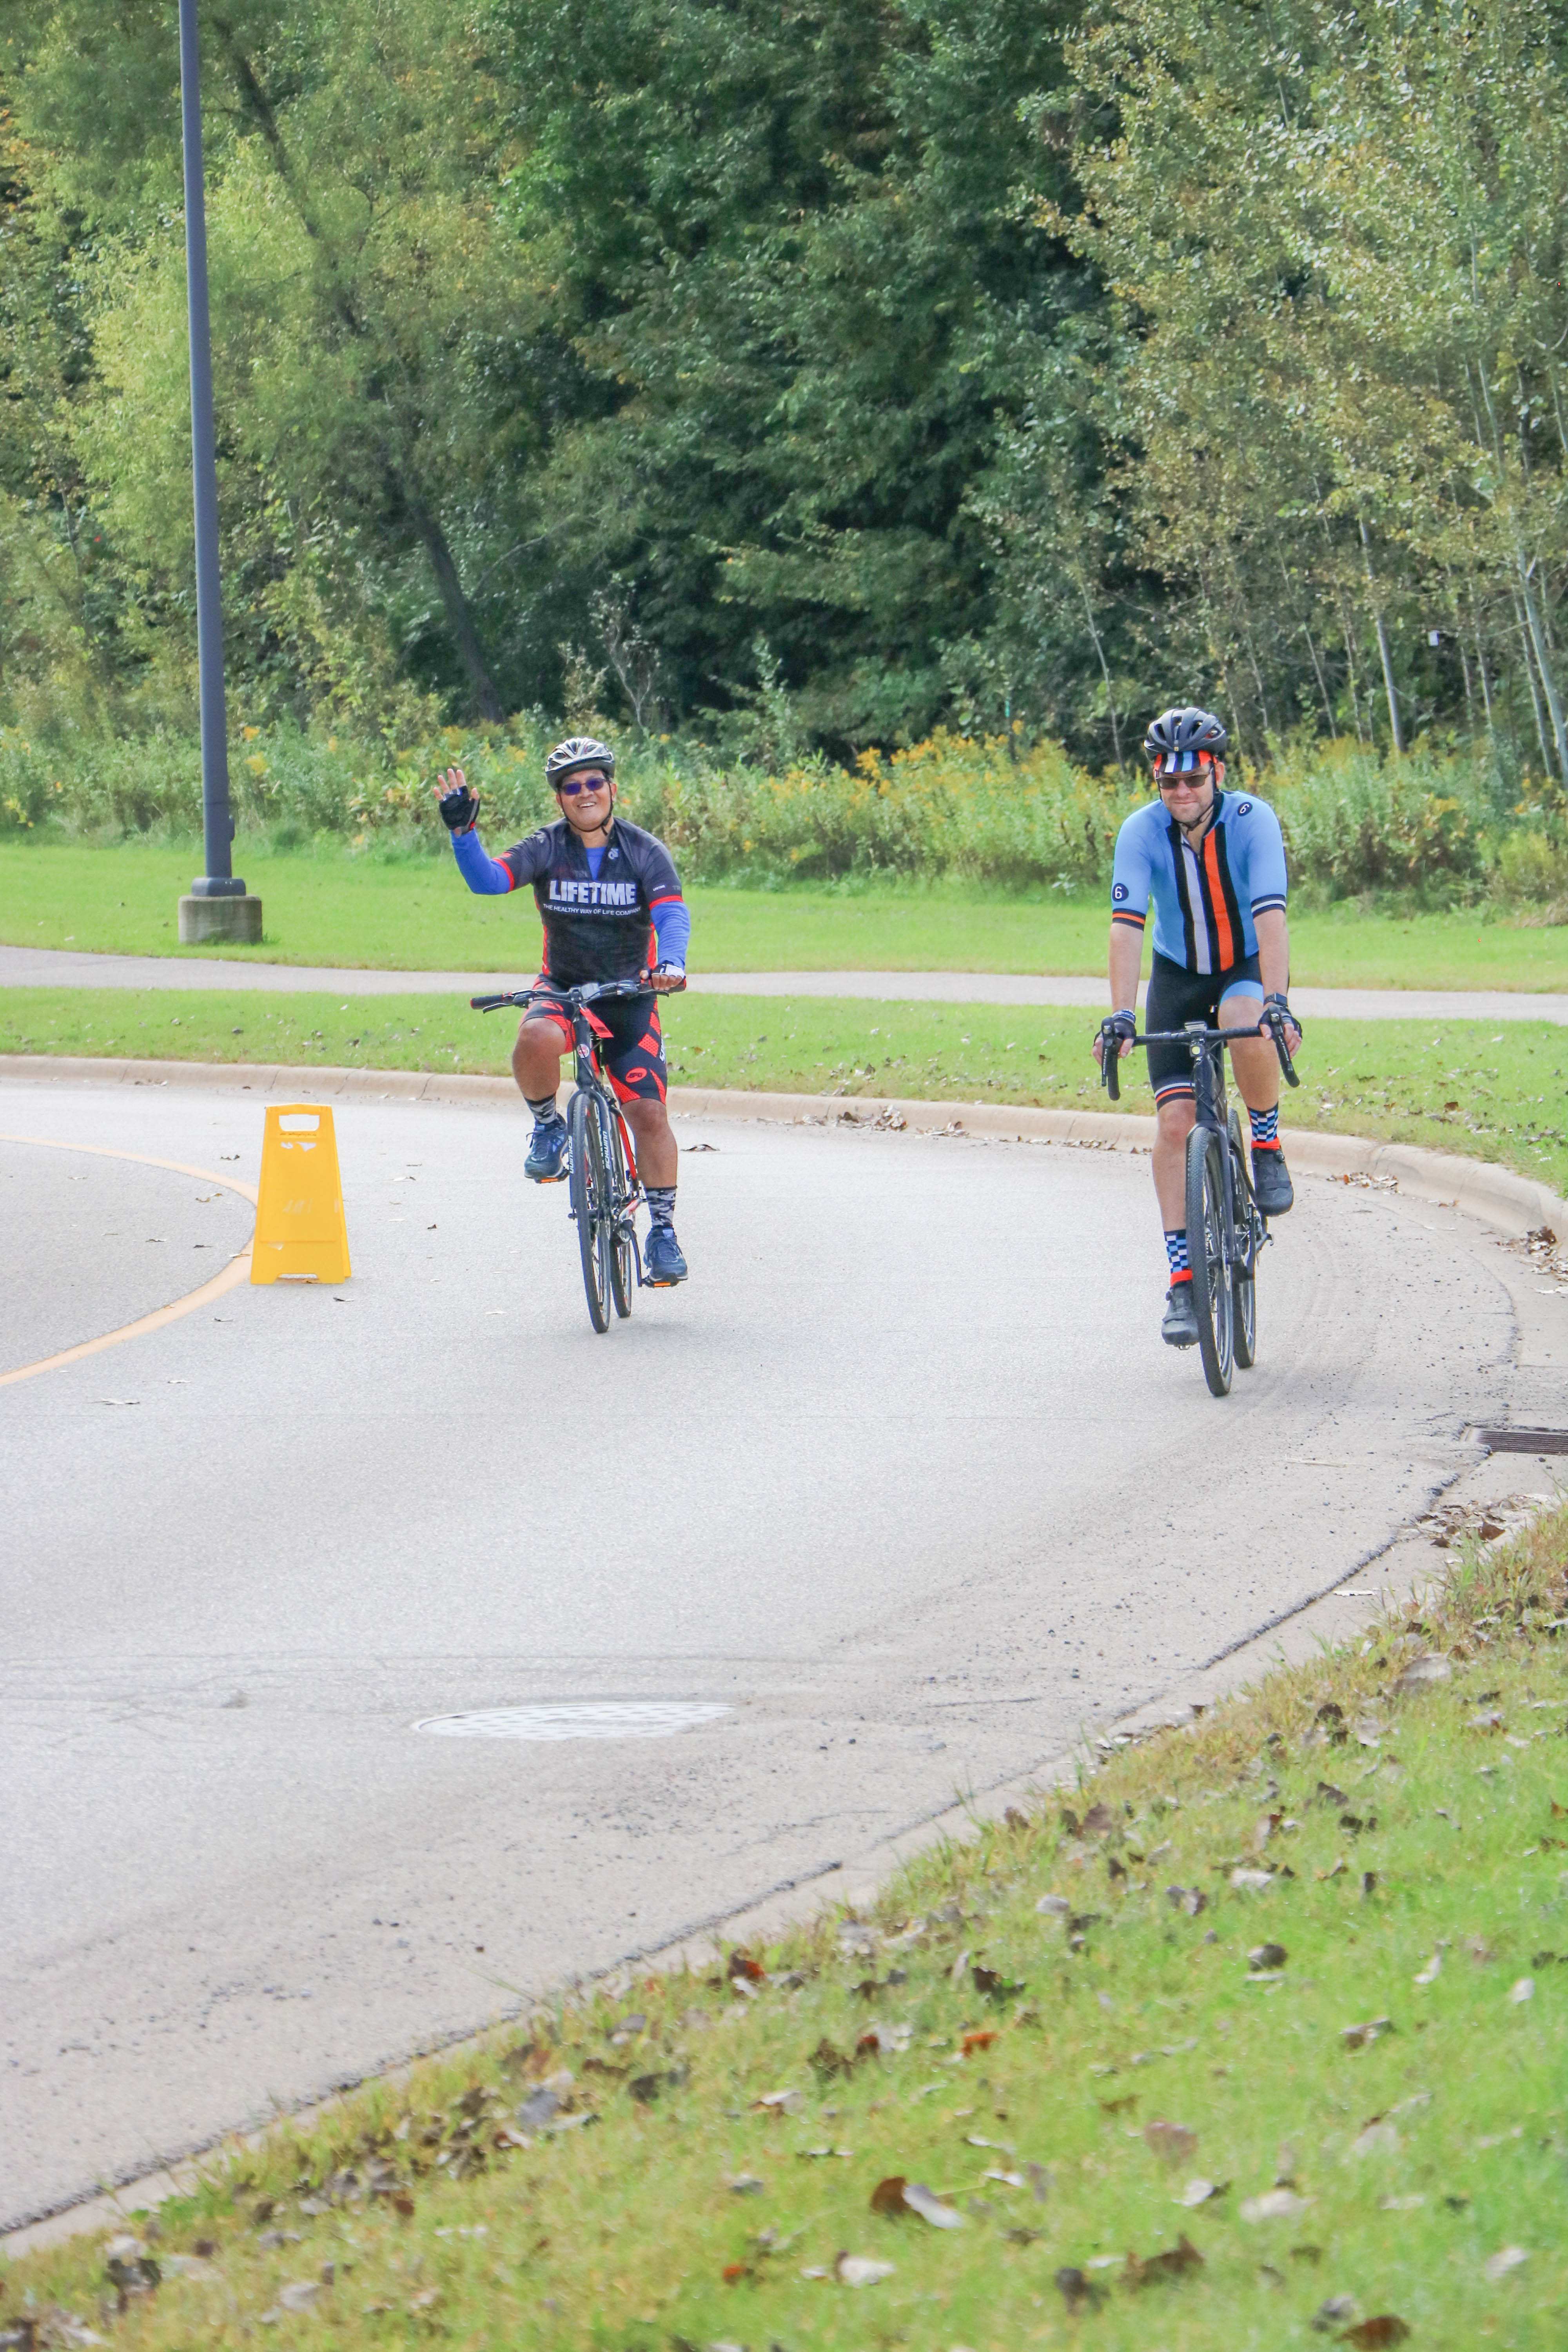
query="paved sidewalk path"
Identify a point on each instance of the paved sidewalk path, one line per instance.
(53, 968)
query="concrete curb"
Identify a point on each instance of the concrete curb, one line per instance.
(1494, 1196)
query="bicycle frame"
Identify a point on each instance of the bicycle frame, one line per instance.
(586, 1072)
(1206, 1047)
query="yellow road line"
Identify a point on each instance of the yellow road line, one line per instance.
(237, 1271)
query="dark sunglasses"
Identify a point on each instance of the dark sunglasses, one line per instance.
(573, 785)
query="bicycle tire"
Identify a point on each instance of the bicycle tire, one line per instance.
(618, 1226)
(588, 1188)
(1212, 1298)
(1244, 1254)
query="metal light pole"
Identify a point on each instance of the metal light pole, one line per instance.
(218, 906)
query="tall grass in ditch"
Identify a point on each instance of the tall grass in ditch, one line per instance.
(1446, 825)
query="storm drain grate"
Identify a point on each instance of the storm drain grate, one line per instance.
(1524, 1441)
(588, 1718)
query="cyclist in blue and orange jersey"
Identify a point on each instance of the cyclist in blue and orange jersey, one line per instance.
(609, 899)
(1212, 864)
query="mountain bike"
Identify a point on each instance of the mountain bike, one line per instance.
(605, 1189)
(1225, 1227)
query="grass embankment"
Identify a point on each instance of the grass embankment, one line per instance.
(1262, 2033)
(414, 915)
(1466, 1086)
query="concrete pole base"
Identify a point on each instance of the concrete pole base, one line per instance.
(204, 921)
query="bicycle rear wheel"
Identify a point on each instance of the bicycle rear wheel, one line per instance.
(1244, 1253)
(588, 1192)
(1212, 1297)
(618, 1223)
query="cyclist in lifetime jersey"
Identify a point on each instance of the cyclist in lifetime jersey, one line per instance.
(1212, 865)
(609, 899)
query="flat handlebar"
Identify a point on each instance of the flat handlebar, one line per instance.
(587, 995)
(1109, 1075)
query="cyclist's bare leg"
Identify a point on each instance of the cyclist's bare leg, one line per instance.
(1175, 1120)
(536, 1058)
(658, 1154)
(1253, 1059)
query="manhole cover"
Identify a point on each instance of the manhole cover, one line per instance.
(588, 1718)
(1524, 1441)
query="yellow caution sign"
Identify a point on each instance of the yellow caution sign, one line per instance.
(300, 1236)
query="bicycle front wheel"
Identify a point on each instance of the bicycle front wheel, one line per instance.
(1212, 1298)
(1244, 1252)
(588, 1195)
(618, 1223)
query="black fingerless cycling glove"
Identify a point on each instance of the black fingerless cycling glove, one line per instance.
(460, 809)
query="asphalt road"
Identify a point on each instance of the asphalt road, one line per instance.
(902, 1481)
(55, 968)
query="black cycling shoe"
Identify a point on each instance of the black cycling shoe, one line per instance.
(546, 1161)
(1271, 1182)
(663, 1264)
(1180, 1327)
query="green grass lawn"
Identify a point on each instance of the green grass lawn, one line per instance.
(1255, 2041)
(416, 915)
(1463, 1086)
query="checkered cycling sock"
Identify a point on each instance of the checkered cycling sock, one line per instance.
(661, 1203)
(1176, 1251)
(544, 1109)
(1265, 1128)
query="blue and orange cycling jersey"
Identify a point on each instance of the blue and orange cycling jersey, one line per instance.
(1206, 900)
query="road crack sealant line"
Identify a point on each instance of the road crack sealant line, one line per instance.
(1509, 1203)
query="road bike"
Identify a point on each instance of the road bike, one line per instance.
(605, 1189)
(1225, 1227)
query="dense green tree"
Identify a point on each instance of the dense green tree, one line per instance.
(793, 243)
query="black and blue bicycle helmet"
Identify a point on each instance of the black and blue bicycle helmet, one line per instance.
(1185, 739)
